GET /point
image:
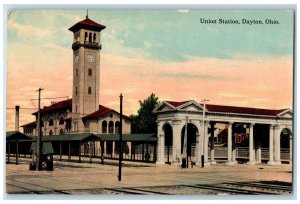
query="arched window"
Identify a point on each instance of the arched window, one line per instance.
(61, 121)
(104, 126)
(111, 127)
(117, 127)
(85, 36)
(94, 37)
(90, 90)
(50, 132)
(61, 131)
(90, 37)
(51, 122)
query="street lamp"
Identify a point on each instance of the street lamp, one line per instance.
(203, 141)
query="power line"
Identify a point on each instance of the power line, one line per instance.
(52, 98)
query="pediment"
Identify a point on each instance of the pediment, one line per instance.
(286, 114)
(192, 107)
(164, 107)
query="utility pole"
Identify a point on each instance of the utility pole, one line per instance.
(39, 137)
(204, 135)
(121, 141)
(184, 161)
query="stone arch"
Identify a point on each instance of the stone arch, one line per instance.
(168, 133)
(192, 133)
(286, 144)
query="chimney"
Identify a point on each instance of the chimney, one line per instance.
(17, 118)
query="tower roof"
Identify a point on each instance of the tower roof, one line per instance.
(87, 24)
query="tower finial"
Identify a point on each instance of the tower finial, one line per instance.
(87, 13)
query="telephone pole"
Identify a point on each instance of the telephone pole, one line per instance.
(39, 137)
(121, 141)
(204, 135)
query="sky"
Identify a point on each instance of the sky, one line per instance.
(166, 52)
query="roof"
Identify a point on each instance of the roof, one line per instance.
(243, 110)
(16, 135)
(129, 137)
(66, 104)
(46, 148)
(69, 137)
(102, 111)
(233, 109)
(30, 124)
(87, 24)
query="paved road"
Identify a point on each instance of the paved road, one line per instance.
(148, 179)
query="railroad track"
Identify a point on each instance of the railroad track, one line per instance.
(228, 188)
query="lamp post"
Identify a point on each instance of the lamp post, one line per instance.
(204, 135)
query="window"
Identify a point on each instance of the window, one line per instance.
(94, 37)
(85, 36)
(61, 121)
(90, 37)
(76, 90)
(51, 122)
(90, 72)
(90, 90)
(117, 127)
(50, 132)
(111, 127)
(104, 126)
(61, 131)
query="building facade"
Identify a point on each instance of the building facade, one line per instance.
(264, 127)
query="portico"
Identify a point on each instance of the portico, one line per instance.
(261, 125)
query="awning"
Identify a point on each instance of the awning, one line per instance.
(13, 136)
(128, 137)
(46, 149)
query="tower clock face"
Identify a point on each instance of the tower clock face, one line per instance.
(76, 59)
(90, 58)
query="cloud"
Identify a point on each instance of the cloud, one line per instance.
(183, 10)
(27, 29)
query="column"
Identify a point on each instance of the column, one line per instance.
(206, 144)
(251, 145)
(17, 152)
(60, 151)
(212, 143)
(69, 156)
(271, 144)
(291, 148)
(160, 145)
(229, 143)
(258, 150)
(200, 146)
(79, 152)
(277, 144)
(113, 149)
(176, 153)
(233, 145)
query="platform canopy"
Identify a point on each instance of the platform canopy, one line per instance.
(46, 149)
(128, 137)
(13, 136)
(69, 137)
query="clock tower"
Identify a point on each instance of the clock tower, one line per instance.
(86, 70)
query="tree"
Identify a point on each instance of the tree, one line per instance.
(145, 120)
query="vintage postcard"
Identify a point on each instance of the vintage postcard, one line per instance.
(150, 102)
